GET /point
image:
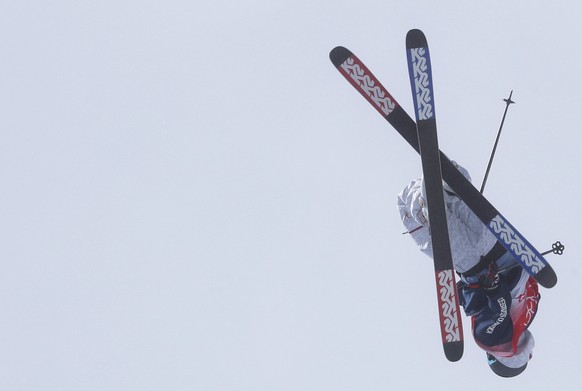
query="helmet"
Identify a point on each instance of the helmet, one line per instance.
(503, 370)
(516, 364)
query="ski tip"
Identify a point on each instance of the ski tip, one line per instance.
(454, 350)
(547, 277)
(416, 39)
(339, 55)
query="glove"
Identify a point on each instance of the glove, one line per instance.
(490, 280)
(423, 214)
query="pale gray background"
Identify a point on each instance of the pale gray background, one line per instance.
(193, 198)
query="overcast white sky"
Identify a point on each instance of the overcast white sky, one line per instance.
(193, 198)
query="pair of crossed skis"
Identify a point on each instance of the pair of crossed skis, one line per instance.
(422, 136)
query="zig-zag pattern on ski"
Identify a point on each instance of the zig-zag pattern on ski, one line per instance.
(378, 96)
(446, 289)
(424, 99)
(518, 247)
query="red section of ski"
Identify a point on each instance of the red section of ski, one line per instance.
(451, 324)
(370, 88)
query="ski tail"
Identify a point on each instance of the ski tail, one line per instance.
(420, 72)
(363, 80)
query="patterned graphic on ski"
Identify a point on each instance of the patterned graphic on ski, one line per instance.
(420, 71)
(366, 83)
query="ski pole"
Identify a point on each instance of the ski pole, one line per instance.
(508, 101)
(557, 248)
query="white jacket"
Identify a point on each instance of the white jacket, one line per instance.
(470, 239)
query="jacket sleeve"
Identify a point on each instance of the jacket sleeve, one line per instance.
(410, 204)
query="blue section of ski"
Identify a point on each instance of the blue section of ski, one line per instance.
(528, 257)
(420, 72)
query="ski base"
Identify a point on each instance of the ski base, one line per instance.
(357, 74)
(420, 71)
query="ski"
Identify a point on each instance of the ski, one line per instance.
(420, 71)
(366, 83)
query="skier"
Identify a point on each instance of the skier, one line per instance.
(494, 290)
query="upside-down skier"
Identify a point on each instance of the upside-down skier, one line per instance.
(494, 290)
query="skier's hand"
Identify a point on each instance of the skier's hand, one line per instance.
(423, 213)
(490, 280)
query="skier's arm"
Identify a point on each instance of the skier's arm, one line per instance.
(410, 206)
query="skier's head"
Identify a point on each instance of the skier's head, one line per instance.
(515, 364)
(503, 370)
